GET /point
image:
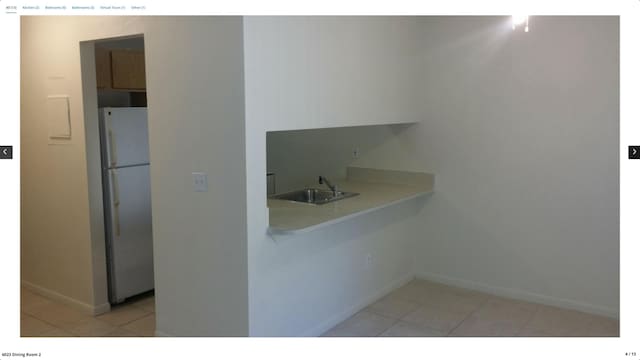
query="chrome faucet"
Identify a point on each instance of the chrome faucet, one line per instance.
(324, 180)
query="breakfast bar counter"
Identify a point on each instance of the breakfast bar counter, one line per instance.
(377, 189)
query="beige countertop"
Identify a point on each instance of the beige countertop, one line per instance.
(288, 217)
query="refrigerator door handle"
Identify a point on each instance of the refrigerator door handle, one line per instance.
(112, 150)
(116, 201)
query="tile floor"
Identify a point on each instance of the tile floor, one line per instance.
(40, 316)
(420, 308)
(423, 308)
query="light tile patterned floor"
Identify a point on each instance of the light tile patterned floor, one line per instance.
(40, 316)
(418, 309)
(423, 308)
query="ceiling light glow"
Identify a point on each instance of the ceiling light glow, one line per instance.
(518, 20)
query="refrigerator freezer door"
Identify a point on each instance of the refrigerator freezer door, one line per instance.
(125, 139)
(129, 244)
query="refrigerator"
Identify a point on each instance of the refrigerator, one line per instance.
(124, 146)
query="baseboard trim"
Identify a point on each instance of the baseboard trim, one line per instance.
(335, 320)
(54, 295)
(162, 334)
(520, 295)
(101, 309)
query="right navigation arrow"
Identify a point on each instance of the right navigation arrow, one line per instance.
(634, 152)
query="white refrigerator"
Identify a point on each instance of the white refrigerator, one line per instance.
(127, 201)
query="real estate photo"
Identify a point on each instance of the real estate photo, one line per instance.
(303, 176)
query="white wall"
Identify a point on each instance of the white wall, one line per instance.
(522, 132)
(303, 73)
(312, 72)
(303, 285)
(57, 254)
(195, 124)
(196, 111)
(322, 277)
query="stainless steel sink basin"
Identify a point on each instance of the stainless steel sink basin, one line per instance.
(314, 196)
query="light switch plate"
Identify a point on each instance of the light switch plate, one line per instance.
(200, 182)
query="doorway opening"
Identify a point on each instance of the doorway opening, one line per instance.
(116, 130)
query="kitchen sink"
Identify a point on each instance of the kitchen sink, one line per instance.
(314, 196)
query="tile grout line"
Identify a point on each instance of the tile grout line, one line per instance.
(468, 316)
(130, 321)
(69, 331)
(374, 313)
(427, 326)
(528, 320)
(390, 326)
(73, 334)
(44, 321)
(422, 304)
(31, 316)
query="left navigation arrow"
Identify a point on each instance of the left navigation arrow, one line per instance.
(6, 152)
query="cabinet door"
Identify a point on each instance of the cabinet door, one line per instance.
(127, 69)
(103, 68)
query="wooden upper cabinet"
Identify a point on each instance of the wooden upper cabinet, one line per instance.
(103, 68)
(127, 69)
(120, 69)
